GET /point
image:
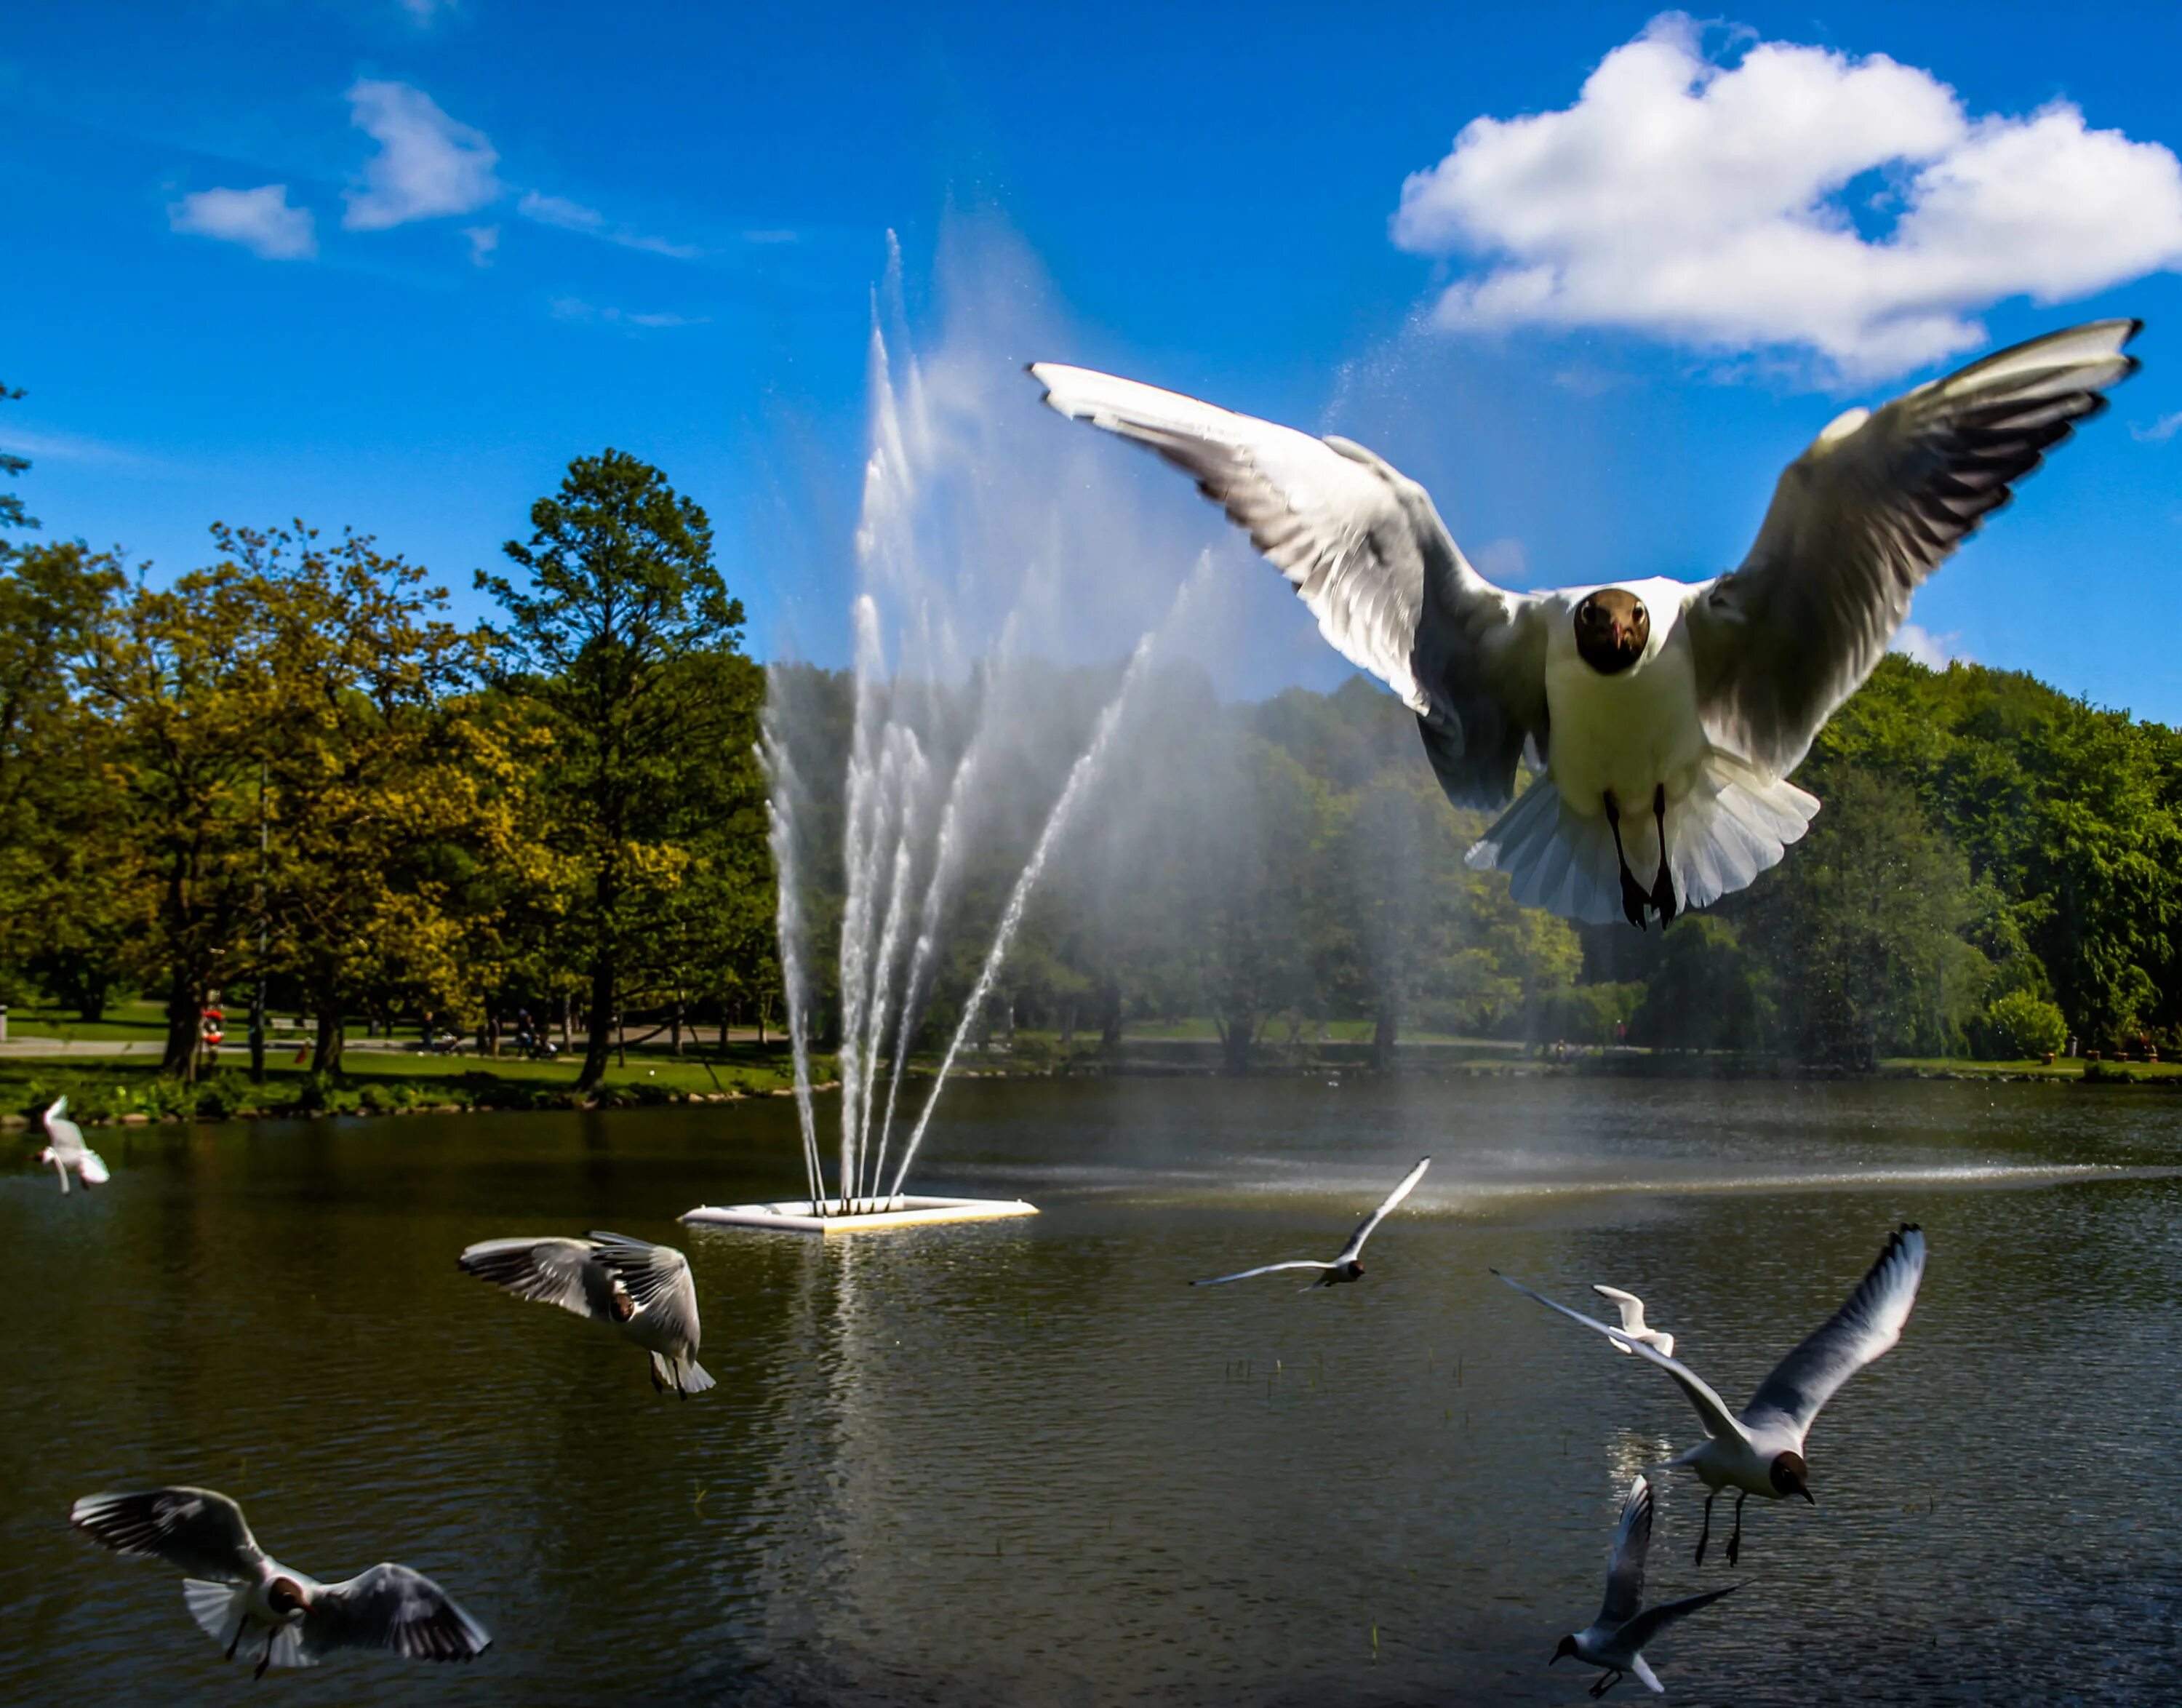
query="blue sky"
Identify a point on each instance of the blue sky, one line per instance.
(507, 235)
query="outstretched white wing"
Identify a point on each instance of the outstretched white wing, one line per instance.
(552, 1272)
(199, 1530)
(1264, 1269)
(1366, 550)
(1861, 518)
(390, 1607)
(1860, 1331)
(1355, 1246)
(1712, 1410)
(1630, 1306)
(1625, 1571)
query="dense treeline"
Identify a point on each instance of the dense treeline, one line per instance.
(288, 779)
(290, 775)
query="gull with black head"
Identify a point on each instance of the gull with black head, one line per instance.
(1665, 716)
(1616, 1639)
(641, 1291)
(235, 1589)
(1759, 1450)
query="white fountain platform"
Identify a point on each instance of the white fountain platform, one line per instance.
(862, 1216)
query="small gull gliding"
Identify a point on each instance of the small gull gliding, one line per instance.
(65, 1149)
(1348, 1265)
(1632, 1321)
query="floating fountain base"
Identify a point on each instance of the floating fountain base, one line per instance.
(862, 1216)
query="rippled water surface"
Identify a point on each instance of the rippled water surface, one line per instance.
(1023, 1463)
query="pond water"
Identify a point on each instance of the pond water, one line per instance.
(1022, 1462)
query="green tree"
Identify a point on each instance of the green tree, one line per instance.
(382, 772)
(57, 914)
(624, 639)
(11, 504)
(1865, 927)
(184, 680)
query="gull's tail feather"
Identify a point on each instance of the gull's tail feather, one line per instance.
(695, 1377)
(1556, 858)
(92, 1169)
(218, 1607)
(1736, 821)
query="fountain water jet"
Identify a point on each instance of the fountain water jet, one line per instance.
(913, 792)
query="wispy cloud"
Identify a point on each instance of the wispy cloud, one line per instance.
(428, 166)
(565, 215)
(575, 308)
(260, 220)
(1915, 641)
(2156, 432)
(68, 447)
(424, 13)
(485, 242)
(1725, 207)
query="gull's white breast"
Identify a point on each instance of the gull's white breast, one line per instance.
(1630, 732)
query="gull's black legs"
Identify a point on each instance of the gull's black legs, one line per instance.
(651, 1364)
(1705, 1534)
(1663, 887)
(1607, 1680)
(241, 1625)
(1735, 1542)
(266, 1660)
(1633, 898)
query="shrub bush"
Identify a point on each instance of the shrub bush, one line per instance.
(2021, 1026)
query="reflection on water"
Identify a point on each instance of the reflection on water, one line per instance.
(1022, 1462)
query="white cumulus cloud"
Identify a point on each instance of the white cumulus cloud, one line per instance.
(1934, 652)
(428, 166)
(1799, 197)
(259, 219)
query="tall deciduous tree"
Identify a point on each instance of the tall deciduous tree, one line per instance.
(183, 679)
(55, 897)
(384, 775)
(624, 637)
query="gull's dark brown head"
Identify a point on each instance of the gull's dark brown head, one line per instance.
(1790, 1475)
(1612, 628)
(284, 1596)
(1567, 1648)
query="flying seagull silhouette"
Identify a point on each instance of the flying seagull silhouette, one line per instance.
(65, 1149)
(641, 1291)
(1665, 715)
(1759, 1450)
(1348, 1264)
(232, 1587)
(1616, 1639)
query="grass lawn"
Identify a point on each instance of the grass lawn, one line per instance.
(99, 1090)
